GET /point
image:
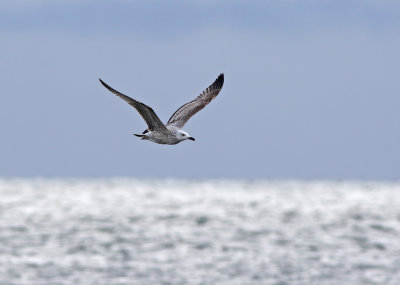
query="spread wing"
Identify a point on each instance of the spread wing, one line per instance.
(152, 120)
(184, 113)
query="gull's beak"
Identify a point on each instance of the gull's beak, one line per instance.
(191, 138)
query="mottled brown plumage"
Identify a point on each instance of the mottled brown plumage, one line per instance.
(185, 112)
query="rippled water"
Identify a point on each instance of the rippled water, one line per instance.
(122, 231)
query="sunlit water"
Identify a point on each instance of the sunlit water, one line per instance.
(122, 231)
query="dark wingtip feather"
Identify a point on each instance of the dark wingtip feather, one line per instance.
(221, 78)
(219, 82)
(112, 90)
(103, 83)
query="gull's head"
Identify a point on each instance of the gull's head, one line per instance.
(181, 135)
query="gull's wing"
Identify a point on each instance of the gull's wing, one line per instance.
(184, 113)
(152, 120)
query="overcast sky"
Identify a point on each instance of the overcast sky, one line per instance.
(312, 88)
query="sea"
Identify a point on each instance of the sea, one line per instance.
(236, 232)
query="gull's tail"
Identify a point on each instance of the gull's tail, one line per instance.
(143, 137)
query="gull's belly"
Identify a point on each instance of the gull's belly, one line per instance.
(163, 138)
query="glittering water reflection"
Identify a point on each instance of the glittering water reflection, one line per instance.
(123, 231)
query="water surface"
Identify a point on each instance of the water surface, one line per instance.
(125, 231)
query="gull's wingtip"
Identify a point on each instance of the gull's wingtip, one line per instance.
(219, 82)
(104, 84)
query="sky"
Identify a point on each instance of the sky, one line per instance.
(311, 91)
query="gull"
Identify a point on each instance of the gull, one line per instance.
(171, 133)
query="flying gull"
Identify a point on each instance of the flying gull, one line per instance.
(171, 132)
